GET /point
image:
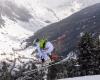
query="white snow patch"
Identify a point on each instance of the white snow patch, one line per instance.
(81, 34)
(11, 36)
(95, 77)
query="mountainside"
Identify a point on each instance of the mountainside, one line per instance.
(19, 19)
(32, 14)
(68, 31)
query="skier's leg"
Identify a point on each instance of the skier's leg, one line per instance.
(43, 60)
(50, 56)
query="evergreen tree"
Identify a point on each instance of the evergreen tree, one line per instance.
(87, 56)
(97, 55)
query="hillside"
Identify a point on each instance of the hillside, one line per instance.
(69, 30)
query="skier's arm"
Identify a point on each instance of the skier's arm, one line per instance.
(35, 51)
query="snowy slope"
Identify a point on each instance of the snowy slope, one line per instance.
(95, 77)
(19, 19)
(48, 8)
(10, 37)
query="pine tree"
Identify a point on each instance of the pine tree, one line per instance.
(52, 72)
(97, 55)
(86, 58)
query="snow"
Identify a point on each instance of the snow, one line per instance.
(14, 31)
(95, 77)
(10, 37)
(81, 34)
(44, 10)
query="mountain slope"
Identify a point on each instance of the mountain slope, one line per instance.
(69, 30)
(21, 18)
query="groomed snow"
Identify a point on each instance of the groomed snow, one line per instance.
(95, 77)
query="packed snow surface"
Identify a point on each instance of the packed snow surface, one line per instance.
(95, 77)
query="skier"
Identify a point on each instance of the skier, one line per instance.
(44, 49)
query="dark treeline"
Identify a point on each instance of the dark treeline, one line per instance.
(87, 62)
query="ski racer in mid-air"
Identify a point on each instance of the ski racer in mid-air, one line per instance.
(44, 49)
